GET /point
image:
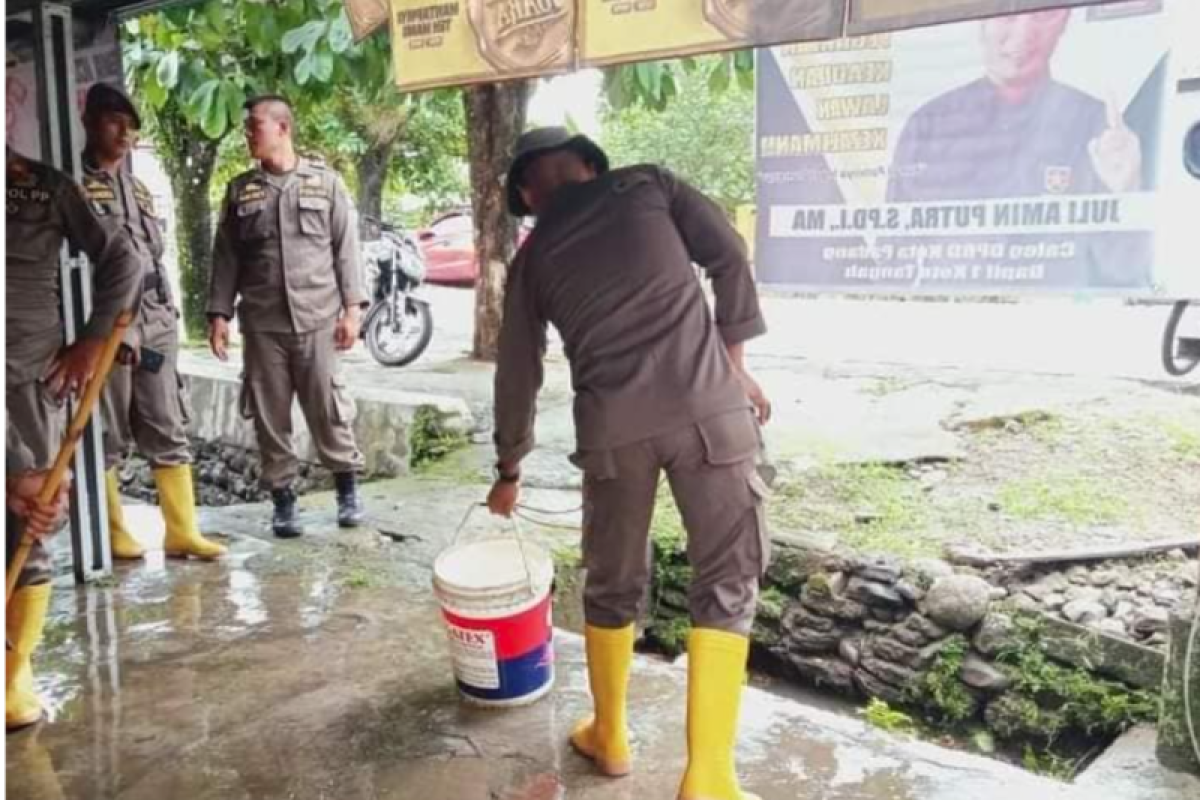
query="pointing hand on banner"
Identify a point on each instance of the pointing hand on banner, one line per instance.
(1117, 153)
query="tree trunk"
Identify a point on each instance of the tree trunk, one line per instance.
(495, 118)
(372, 168)
(189, 159)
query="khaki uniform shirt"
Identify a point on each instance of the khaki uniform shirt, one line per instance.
(287, 251)
(44, 209)
(609, 264)
(125, 205)
(122, 202)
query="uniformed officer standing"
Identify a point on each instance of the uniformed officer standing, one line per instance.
(658, 387)
(287, 250)
(143, 401)
(44, 209)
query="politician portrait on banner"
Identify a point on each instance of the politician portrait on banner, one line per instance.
(1002, 154)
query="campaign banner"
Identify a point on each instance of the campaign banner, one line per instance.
(617, 31)
(454, 42)
(876, 16)
(1010, 154)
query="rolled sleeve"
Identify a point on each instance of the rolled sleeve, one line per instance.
(116, 263)
(347, 255)
(519, 369)
(714, 244)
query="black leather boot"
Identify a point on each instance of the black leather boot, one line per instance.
(349, 506)
(285, 523)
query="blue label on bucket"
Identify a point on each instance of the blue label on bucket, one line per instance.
(519, 677)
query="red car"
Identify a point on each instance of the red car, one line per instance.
(448, 245)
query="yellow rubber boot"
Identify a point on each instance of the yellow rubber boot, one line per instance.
(178, 501)
(604, 737)
(124, 546)
(26, 617)
(716, 673)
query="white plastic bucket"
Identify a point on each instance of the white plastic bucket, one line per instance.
(495, 599)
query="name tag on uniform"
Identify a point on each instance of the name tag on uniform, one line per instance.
(313, 186)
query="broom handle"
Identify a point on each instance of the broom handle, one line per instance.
(66, 451)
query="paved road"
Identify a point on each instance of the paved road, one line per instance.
(1097, 338)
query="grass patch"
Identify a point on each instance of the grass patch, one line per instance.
(872, 507)
(1076, 499)
(1047, 430)
(1049, 764)
(882, 387)
(1185, 440)
(881, 715)
(458, 468)
(1082, 701)
(359, 577)
(432, 439)
(939, 692)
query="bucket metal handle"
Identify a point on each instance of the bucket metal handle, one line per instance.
(518, 534)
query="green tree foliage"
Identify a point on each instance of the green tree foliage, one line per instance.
(192, 68)
(704, 135)
(655, 84)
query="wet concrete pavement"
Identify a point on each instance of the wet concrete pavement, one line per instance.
(316, 669)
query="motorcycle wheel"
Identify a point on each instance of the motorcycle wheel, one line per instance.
(1175, 360)
(398, 345)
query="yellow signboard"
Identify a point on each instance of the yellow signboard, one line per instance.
(615, 31)
(366, 16)
(873, 16)
(469, 41)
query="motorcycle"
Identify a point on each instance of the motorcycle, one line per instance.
(399, 324)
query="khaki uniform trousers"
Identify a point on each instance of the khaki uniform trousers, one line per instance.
(710, 466)
(147, 408)
(41, 423)
(280, 367)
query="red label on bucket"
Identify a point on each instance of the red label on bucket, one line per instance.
(514, 636)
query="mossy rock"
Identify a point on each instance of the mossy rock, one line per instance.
(1014, 716)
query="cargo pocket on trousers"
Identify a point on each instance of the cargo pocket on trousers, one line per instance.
(185, 400)
(729, 438)
(246, 405)
(597, 466)
(760, 493)
(343, 403)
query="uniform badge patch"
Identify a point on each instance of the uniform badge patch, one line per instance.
(313, 186)
(251, 192)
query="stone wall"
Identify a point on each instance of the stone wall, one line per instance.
(382, 424)
(922, 635)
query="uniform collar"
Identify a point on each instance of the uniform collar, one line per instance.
(92, 169)
(308, 166)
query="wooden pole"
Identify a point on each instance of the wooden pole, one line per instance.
(66, 451)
